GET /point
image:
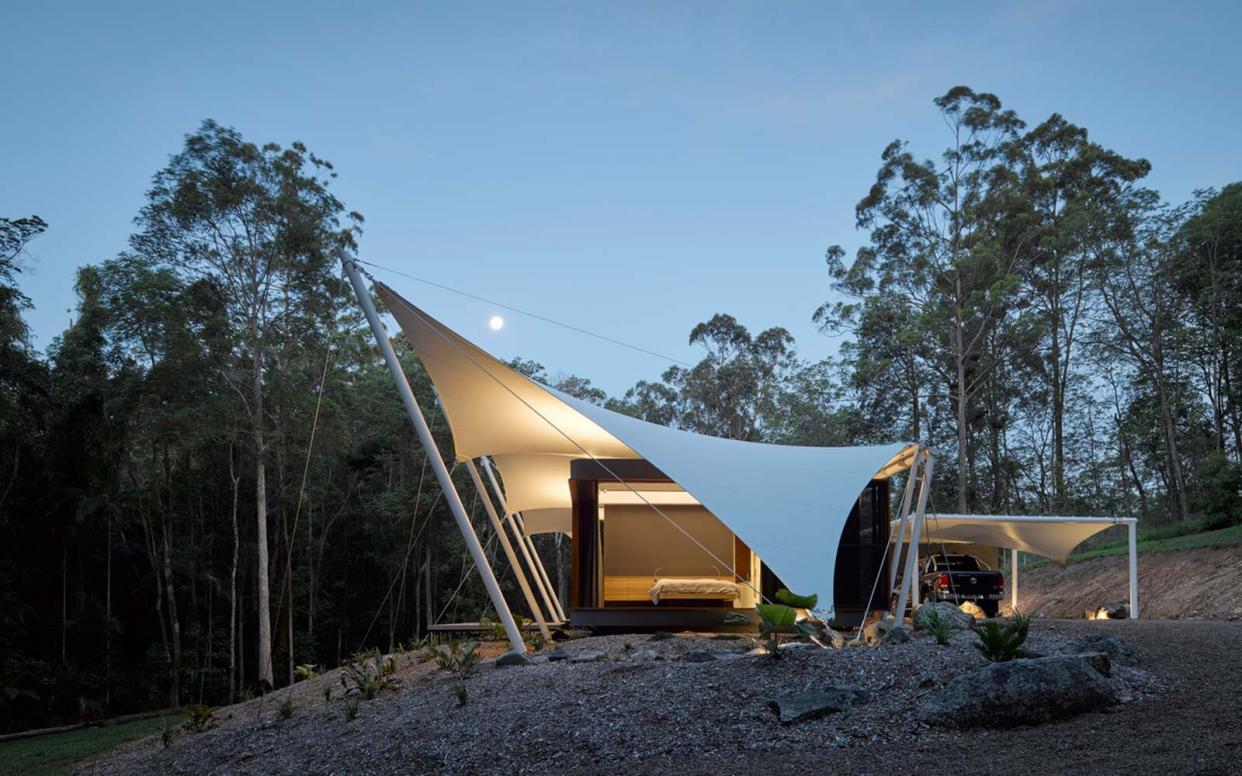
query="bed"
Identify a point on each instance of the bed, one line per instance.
(694, 588)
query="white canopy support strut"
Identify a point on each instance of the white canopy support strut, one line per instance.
(490, 508)
(540, 569)
(903, 515)
(528, 549)
(909, 581)
(433, 455)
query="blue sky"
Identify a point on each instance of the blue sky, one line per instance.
(629, 168)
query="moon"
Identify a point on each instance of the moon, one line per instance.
(496, 323)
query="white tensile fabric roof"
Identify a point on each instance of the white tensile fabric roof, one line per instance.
(789, 504)
(1052, 537)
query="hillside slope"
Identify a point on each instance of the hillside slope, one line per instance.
(1199, 583)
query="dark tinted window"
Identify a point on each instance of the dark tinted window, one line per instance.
(957, 563)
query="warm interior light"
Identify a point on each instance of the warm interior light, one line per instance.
(496, 322)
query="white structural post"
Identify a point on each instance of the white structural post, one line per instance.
(488, 507)
(433, 454)
(522, 542)
(1013, 587)
(904, 515)
(909, 582)
(1132, 529)
(540, 569)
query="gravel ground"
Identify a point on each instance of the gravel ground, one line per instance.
(668, 714)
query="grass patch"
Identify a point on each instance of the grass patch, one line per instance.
(57, 753)
(1174, 537)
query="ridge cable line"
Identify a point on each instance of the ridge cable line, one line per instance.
(418, 314)
(528, 313)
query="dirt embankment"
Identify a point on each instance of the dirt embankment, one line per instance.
(1204, 583)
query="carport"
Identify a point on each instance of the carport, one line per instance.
(1050, 536)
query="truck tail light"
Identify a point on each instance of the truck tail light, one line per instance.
(942, 581)
(1001, 586)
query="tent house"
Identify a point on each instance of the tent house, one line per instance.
(669, 529)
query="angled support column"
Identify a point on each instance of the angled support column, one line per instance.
(433, 455)
(1013, 574)
(488, 507)
(909, 581)
(904, 514)
(1132, 530)
(540, 569)
(522, 542)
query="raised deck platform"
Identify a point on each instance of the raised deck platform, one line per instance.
(646, 619)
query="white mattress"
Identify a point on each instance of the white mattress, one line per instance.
(694, 588)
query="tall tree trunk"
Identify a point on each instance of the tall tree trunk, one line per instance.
(260, 498)
(233, 677)
(174, 623)
(963, 463)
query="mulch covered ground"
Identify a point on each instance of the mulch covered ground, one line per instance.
(639, 712)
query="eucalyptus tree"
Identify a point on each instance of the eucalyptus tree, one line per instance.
(1065, 185)
(1141, 326)
(1207, 276)
(21, 375)
(944, 250)
(259, 227)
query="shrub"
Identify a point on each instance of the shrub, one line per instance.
(304, 672)
(368, 676)
(351, 709)
(1000, 642)
(286, 708)
(199, 718)
(461, 694)
(327, 692)
(1220, 491)
(168, 735)
(940, 626)
(459, 659)
(779, 619)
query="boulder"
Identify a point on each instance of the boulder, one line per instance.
(885, 632)
(1117, 650)
(512, 659)
(946, 611)
(810, 704)
(972, 609)
(699, 656)
(557, 655)
(587, 656)
(1021, 692)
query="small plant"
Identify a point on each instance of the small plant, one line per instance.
(246, 694)
(569, 634)
(390, 666)
(199, 718)
(168, 735)
(940, 626)
(1001, 642)
(302, 673)
(462, 661)
(780, 619)
(351, 709)
(536, 642)
(327, 693)
(368, 676)
(286, 708)
(459, 659)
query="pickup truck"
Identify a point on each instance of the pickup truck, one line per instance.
(959, 578)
